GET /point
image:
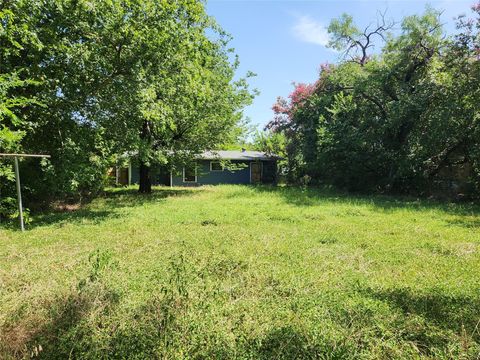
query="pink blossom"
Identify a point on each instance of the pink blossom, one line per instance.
(301, 93)
(284, 109)
(281, 106)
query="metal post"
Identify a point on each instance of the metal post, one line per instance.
(19, 194)
(129, 173)
(17, 178)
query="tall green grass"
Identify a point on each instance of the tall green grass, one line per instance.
(236, 272)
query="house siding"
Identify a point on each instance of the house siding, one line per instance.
(207, 177)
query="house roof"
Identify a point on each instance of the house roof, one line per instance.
(237, 155)
(222, 155)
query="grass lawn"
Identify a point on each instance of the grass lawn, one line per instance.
(233, 272)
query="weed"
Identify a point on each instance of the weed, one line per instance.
(209, 222)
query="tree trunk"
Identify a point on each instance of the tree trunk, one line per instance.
(145, 182)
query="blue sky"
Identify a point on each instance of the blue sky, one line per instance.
(284, 41)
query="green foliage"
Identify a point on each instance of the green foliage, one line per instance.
(15, 98)
(238, 272)
(343, 32)
(405, 120)
(272, 143)
(8, 206)
(239, 137)
(88, 81)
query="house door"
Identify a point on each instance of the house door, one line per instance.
(123, 176)
(255, 172)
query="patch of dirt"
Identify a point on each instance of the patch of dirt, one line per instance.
(65, 207)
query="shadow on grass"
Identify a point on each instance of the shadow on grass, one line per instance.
(289, 343)
(312, 196)
(107, 206)
(128, 197)
(453, 313)
(466, 223)
(78, 216)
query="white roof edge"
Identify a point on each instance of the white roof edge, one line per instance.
(225, 155)
(237, 155)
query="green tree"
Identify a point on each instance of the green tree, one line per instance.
(152, 77)
(355, 44)
(404, 120)
(17, 94)
(273, 143)
(191, 103)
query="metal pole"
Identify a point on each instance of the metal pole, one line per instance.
(19, 194)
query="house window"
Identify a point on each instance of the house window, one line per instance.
(216, 166)
(190, 174)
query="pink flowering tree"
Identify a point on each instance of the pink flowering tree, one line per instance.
(295, 118)
(284, 109)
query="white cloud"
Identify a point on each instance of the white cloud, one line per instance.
(308, 30)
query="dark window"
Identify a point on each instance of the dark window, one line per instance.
(216, 166)
(189, 174)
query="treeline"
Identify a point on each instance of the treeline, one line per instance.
(87, 81)
(405, 119)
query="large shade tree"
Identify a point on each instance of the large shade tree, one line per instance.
(178, 72)
(115, 76)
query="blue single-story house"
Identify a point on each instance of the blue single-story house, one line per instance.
(211, 168)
